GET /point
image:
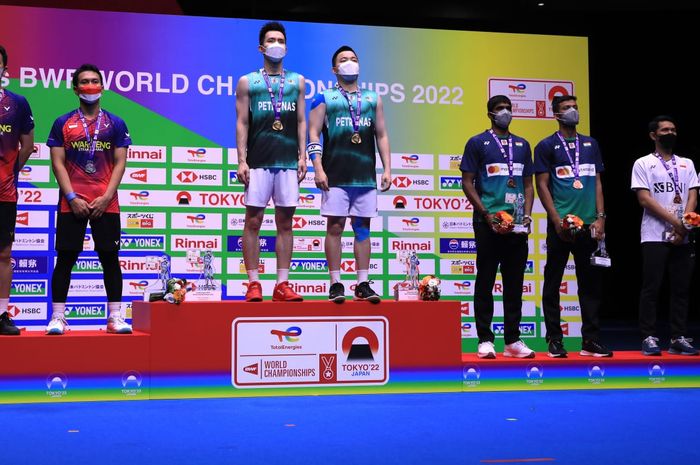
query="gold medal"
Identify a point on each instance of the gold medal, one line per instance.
(277, 125)
(356, 139)
(578, 184)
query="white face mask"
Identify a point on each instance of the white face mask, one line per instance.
(275, 52)
(90, 98)
(349, 70)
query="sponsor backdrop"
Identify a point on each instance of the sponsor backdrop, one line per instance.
(173, 80)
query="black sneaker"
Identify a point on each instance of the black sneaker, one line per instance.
(650, 346)
(593, 348)
(7, 326)
(556, 349)
(682, 346)
(337, 293)
(364, 292)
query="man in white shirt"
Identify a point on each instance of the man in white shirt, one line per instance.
(666, 187)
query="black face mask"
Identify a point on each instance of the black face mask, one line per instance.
(667, 141)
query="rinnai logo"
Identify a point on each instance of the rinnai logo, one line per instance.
(144, 153)
(140, 175)
(135, 264)
(252, 369)
(413, 244)
(196, 243)
(23, 218)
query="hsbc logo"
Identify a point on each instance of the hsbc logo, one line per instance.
(187, 176)
(298, 222)
(140, 175)
(402, 182)
(348, 266)
(564, 287)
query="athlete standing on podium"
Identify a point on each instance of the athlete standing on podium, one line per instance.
(88, 155)
(352, 122)
(16, 144)
(271, 142)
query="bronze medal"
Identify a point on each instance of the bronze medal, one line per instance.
(578, 184)
(277, 125)
(511, 182)
(677, 199)
(356, 139)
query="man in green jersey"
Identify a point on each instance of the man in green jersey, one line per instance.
(271, 141)
(352, 122)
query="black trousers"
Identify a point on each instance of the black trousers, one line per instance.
(657, 257)
(510, 252)
(588, 277)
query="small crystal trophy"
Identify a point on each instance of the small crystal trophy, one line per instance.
(206, 288)
(408, 288)
(519, 215)
(670, 234)
(600, 257)
(159, 288)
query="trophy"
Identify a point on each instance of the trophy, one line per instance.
(669, 234)
(519, 215)
(600, 257)
(206, 288)
(408, 288)
(159, 288)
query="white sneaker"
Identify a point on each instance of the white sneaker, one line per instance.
(57, 326)
(518, 349)
(118, 326)
(486, 350)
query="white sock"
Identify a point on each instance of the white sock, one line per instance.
(3, 305)
(282, 275)
(362, 276)
(59, 310)
(115, 309)
(253, 275)
(335, 276)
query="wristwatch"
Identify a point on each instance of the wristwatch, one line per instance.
(601, 215)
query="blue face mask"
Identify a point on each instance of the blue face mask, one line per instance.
(569, 117)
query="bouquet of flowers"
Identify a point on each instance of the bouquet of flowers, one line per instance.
(175, 291)
(572, 224)
(691, 220)
(429, 288)
(502, 222)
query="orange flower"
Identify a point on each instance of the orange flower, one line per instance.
(572, 223)
(503, 222)
(691, 220)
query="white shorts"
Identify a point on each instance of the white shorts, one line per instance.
(349, 201)
(280, 185)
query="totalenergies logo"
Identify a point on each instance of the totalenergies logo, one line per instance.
(307, 199)
(360, 343)
(463, 286)
(142, 196)
(138, 285)
(196, 219)
(26, 171)
(410, 159)
(291, 334)
(410, 221)
(197, 153)
(517, 88)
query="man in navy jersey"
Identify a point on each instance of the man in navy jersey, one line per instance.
(497, 176)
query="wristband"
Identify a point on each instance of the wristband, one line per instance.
(70, 196)
(314, 149)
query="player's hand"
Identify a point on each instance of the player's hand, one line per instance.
(98, 207)
(80, 207)
(321, 180)
(243, 173)
(386, 181)
(301, 170)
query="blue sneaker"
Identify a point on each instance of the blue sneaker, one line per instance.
(682, 346)
(650, 346)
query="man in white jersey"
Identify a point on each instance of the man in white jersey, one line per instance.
(666, 187)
